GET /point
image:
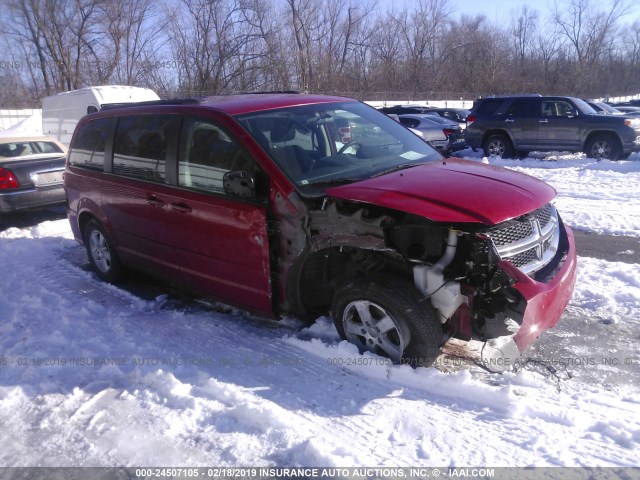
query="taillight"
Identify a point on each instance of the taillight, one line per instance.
(448, 131)
(7, 179)
(470, 119)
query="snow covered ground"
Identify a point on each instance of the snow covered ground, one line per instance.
(93, 375)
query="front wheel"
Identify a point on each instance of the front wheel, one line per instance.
(386, 316)
(101, 252)
(603, 147)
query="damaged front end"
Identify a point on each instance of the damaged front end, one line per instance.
(503, 285)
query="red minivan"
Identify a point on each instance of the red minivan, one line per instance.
(260, 201)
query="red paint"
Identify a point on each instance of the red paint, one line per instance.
(545, 301)
(455, 191)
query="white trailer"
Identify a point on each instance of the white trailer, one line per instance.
(61, 112)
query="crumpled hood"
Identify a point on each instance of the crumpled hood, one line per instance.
(452, 190)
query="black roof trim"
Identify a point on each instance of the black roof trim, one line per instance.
(172, 101)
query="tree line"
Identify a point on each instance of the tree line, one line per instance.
(424, 50)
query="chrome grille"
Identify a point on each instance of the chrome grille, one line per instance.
(528, 242)
(544, 215)
(511, 233)
(524, 258)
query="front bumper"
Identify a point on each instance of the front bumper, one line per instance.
(545, 302)
(31, 198)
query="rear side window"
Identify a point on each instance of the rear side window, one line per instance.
(47, 147)
(140, 147)
(489, 106)
(410, 122)
(90, 142)
(524, 108)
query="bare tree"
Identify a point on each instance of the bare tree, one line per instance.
(588, 29)
(134, 31)
(523, 30)
(213, 44)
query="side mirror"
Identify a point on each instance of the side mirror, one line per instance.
(239, 183)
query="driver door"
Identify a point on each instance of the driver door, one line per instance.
(221, 238)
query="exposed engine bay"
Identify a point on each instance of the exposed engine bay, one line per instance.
(457, 268)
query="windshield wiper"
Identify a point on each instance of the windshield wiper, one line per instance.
(333, 181)
(397, 167)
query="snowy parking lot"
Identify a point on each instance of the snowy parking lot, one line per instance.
(95, 375)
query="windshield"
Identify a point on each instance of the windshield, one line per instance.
(322, 145)
(584, 107)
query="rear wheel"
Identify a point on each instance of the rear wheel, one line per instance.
(101, 252)
(386, 316)
(498, 145)
(603, 147)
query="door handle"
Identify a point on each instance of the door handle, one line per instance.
(181, 207)
(509, 120)
(154, 201)
(544, 120)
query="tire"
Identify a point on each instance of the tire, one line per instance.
(603, 147)
(498, 145)
(101, 252)
(386, 316)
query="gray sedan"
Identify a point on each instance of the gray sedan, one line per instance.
(442, 134)
(31, 170)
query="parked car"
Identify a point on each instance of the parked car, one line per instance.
(514, 125)
(629, 111)
(259, 201)
(31, 170)
(458, 115)
(630, 103)
(444, 135)
(405, 110)
(603, 108)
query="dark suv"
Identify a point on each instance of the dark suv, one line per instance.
(513, 125)
(287, 204)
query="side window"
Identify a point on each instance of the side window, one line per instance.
(409, 122)
(140, 146)
(557, 108)
(549, 109)
(564, 108)
(47, 147)
(524, 108)
(207, 152)
(489, 106)
(90, 143)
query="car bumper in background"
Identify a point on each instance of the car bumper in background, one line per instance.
(31, 198)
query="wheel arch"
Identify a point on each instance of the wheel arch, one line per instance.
(313, 281)
(497, 131)
(595, 133)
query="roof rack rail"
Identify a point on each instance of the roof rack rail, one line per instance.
(503, 95)
(171, 101)
(266, 92)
